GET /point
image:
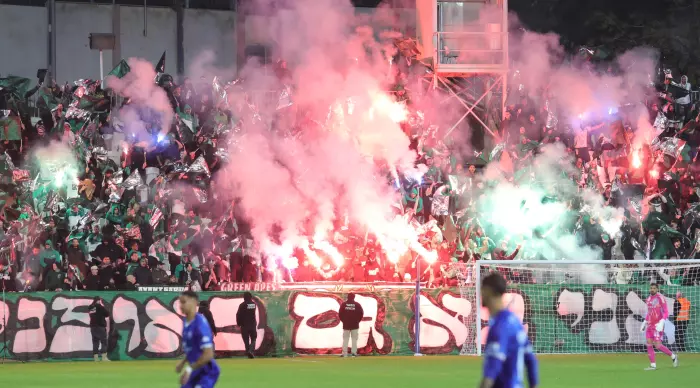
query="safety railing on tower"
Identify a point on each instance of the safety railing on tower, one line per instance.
(471, 52)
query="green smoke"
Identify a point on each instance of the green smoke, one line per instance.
(543, 209)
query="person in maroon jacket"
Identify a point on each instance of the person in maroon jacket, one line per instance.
(351, 315)
(373, 273)
(250, 270)
(358, 270)
(500, 254)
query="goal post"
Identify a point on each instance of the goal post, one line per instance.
(587, 307)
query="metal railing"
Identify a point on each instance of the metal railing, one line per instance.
(485, 50)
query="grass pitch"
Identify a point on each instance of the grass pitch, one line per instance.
(569, 371)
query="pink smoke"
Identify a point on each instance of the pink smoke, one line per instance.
(295, 189)
(546, 71)
(542, 66)
(139, 86)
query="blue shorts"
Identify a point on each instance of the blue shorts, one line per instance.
(204, 377)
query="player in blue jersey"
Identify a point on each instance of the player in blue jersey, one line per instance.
(200, 368)
(508, 350)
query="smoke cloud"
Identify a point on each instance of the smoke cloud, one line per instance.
(138, 85)
(296, 186)
(57, 163)
(297, 189)
(546, 209)
(576, 86)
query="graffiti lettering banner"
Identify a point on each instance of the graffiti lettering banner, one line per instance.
(148, 325)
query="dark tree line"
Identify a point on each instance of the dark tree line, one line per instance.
(670, 26)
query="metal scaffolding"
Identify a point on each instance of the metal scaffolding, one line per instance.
(470, 61)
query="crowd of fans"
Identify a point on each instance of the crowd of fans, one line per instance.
(110, 216)
(119, 223)
(654, 182)
(648, 171)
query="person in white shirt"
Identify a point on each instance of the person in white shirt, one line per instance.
(582, 142)
(581, 139)
(685, 85)
(683, 107)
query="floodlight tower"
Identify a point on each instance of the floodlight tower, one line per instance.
(467, 41)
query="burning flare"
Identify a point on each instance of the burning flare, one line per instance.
(636, 160)
(384, 105)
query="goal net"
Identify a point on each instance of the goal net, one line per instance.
(574, 307)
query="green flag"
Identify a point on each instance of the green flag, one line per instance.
(79, 114)
(187, 122)
(655, 220)
(47, 97)
(120, 70)
(93, 103)
(601, 53)
(10, 128)
(684, 153)
(671, 233)
(662, 246)
(190, 121)
(39, 196)
(528, 146)
(479, 158)
(16, 86)
(664, 241)
(496, 152)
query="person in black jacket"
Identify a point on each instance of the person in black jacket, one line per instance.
(204, 310)
(106, 274)
(108, 248)
(190, 276)
(92, 281)
(245, 319)
(98, 328)
(143, 274)
(351, 315)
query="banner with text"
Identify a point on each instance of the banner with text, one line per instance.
(559, 319)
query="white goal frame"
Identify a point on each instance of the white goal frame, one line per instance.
(474, 271)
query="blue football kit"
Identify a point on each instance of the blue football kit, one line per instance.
(508, 352)
(197, 336)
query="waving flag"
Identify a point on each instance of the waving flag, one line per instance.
(156, 217)
(160, 67)
(16, 86)
(10, 128)
(120, 70)
(47, 97)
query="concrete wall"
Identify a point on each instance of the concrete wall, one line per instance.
(24, 38)
(212, 31)
(161, 35)
(263, 30)
(75, 22)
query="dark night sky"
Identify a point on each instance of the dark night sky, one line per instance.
(583, 21)
(614, 26)
(670, 26)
